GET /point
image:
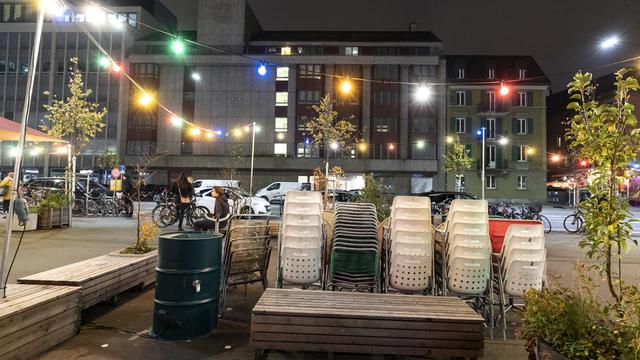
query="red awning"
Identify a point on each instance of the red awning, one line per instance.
(10, 131)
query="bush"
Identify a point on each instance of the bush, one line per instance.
(52, 201)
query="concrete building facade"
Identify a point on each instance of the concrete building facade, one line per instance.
(516, 166)
(403, 137)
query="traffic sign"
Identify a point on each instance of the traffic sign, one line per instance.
(115, 173)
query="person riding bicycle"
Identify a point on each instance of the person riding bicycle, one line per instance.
(183, 191)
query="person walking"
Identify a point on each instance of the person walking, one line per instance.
(183, 191)
(5, 190)
(127, 195)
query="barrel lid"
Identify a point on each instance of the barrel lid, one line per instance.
(191, 235)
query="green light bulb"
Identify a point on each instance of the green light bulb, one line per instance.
(104, 62)
(178, 46)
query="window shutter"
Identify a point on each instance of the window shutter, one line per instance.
(514, 152)
(452, 98)
(529, 126)
(529, 98)
(515, 98)
(483, 97)
(498, 126)
(514, 125)
(467, 125)
(499, 157)
(467, 99)
(452, 125)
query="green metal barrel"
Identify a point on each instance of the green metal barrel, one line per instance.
(187, 285)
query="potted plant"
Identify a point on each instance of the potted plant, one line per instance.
(574, 322)
(53, 211)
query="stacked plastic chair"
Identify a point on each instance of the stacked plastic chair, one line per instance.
(409, 246)
(521, 264)
(301, 240)
(466, 255)
(355, 249)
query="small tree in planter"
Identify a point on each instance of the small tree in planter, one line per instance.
(572, 321)
(373, 193)
(45, 209)
(457, 161)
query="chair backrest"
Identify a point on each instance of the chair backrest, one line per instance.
(472, 241)
(303, 220)
(409, 225)
(470, 217)
(296, 196)
(522, 230)
(411, 213)
(411, 202)
(523, 275)
(302, 208)
(468, 276)
(411, 237)
(468, 252)
(422, 249)
(469, 205)
(467, 229)
(519, 242)
(524, 255)
(302, 231)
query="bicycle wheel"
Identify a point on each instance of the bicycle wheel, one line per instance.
(78, 208)
(155, 213)
(572, 223)
(168, 216)
(195, 213)
(546, 222)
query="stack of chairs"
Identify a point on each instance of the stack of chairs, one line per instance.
(521, 265)
(301, 240)
(409, 246)
(245, 255)
(355, 249)
(466, 256)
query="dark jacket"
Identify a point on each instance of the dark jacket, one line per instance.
(221, 209)
(186, 190)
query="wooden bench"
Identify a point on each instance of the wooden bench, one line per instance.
(429, 326)
(101, 278)
(34, 318)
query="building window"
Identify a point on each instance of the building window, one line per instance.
(491, 156)
(351, 50)
(461, 125)
(522, 73)
(304, 150)
(491, 182)
(309, 97)
(461, 99)
(282, 73)
(491, 128)
(491, 98)
(522, 99)
(426, 71)
(522, 153)
(385, 97)
(385, 72)
(309, 71)
(460, 72)
(491, 73)
(522, 181)
(281, 124)
(280, 149)
(522, 126)
(282, 98)
(385, 124)
(285, 50)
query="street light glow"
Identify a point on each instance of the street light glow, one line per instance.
(504, 89)
(95, 15)
(333, 145)
(346, 86)
(54, 7)
(610, 42)
(449, 139)
(420, 144)
(262, 70)
(237, 132)
(479, 132)
(116, 68)
(210, 135)
(555, 158)
(178, 46)
(196, 76)
(531, 151)
(423, 93)
(104, 62)
(503, 141)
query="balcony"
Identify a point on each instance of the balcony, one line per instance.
(492, 107)
(498, 165)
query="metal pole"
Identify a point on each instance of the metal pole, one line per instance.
(33, 62)
(253, 150)
(483, 160)
(70, 188)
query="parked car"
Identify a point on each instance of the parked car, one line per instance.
(58, 184)
(439, 197)
(278, 190)
(239, 201)
(202, 185)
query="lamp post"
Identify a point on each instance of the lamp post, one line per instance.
(484, 142)
(23, 133)
(253, 150)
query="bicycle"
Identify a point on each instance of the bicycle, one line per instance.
(166, 213)
(574, 223)
(528, 213)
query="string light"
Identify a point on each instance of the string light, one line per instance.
(145, 99)
(531, 151)
(449, 139)
(176, 121)
(195, 76)
(504, 89)
(195, 131)
(210, 135)
(503, 141)
(391, 147)
(346, 86)
(262, 70)
(362, 147)
(116, 68)
(280, 136)
(178, 46)
(420, 144)
(104, 62)
(218, 132)
(555, 158)
(422, 93)
(334, 145)
(237, 132)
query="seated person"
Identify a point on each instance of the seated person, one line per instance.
(221, 210)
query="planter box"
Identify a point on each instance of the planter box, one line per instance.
(34, 318)
(101, 278)
(545, 351)
(32, 224)
(54, 217)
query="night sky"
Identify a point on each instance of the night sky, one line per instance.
(562, 35)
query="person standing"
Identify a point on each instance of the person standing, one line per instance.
(127, 195)
(183, 191)
(5, 190)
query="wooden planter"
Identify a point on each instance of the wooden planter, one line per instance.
(53, 217)
(34, 318)
(545, 351)
(101, 278)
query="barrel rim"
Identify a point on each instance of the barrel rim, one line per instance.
(203, 235)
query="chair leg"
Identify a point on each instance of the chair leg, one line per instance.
(503, 313)
(490, 306)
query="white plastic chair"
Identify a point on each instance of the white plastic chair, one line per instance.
(301, 265)
(469, 276)
(410, 271)
(411, 214)
(475, 241)
(467, 229)
(296, 196)
(523, 275)
(409, 225)
(302, 220)
(517, 242)
(411, 202)
(302, 208)
(519, 254)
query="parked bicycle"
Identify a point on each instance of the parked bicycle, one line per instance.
(574, 223)
(165, 213)
(530, 213)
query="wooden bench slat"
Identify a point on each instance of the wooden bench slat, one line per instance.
(354, 313)
(37, 346)
(37, 314)
(47, 294)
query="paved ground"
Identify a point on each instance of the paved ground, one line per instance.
(118, 332)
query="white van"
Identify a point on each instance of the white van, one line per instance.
(206, 184)
(278, 190)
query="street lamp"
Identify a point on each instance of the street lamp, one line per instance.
(609, 42)
(482, 132)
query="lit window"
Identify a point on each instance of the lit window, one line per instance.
(282, 73)
(491, 182)
(522, 126)
(522, 99)
(522, 181)
(461, 98)
(522, 73)
(351, 50)
(309, 71)
(282, 98)
(280, 149)
(492, 73)
(460, 73)
(491, 156)
(285, 50)
(491, 128)
(522, 153)
(491, 98)
(281, 124)
(304, 150)
(460, 125)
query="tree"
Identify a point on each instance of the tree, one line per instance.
(326, 128)
(107, 161)
(373, 193)
(608, 136)
(457, 160)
